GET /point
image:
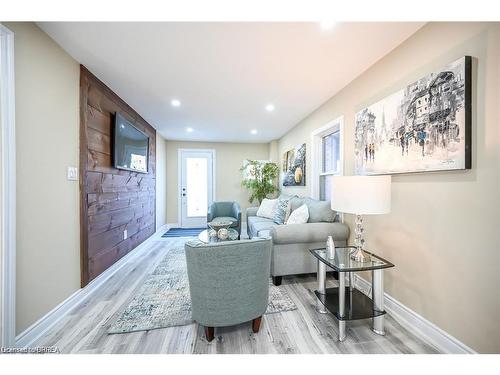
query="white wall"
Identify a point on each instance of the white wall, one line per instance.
(443, 231)
(47, 127)
(229, 159)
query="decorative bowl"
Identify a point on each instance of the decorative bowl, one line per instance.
(223, 234)
(216, 225)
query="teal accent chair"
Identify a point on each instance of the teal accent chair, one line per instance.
(228, 282)
(222, 211)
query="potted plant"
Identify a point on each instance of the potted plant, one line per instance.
(260, 178)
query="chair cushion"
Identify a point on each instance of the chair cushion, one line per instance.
(227, 218)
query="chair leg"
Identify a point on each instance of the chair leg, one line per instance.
(256, 324)
(209, 333)
(277, 280)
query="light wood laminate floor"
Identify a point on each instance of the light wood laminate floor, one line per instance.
(84, 329)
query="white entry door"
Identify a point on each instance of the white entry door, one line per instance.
(196, 190)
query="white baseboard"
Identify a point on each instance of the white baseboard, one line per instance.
(34, 332)
(417, 324)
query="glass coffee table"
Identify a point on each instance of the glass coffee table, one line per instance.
(345, 302)
(204, 237)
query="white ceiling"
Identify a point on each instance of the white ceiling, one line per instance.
(225, 73)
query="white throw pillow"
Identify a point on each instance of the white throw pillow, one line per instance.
(266, 208)
(299, 216)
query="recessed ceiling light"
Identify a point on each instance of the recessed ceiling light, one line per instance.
(175, 103)
(270, 107)
(253, 131)
(327, 25)
(189, 130)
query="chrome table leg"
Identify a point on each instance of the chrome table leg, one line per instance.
(378, 301)
(342, 333)
(321, 286)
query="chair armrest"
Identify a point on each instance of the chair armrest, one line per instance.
(309, 232)
(252, 211)
(237, 211)
(211, 213)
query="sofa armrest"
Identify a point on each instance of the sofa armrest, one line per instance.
(309, 232)
(252, 211)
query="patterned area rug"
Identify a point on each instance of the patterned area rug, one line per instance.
(164, 301)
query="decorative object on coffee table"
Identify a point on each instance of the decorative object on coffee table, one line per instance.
(361, 195)
(212, 236)
(346, 302)
(330, 247)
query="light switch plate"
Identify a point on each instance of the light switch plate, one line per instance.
(125, 234)
(72, 173)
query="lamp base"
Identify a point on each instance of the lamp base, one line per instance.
(360, 256)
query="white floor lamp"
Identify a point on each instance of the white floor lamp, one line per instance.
(361, 195)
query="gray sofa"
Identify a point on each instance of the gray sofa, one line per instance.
(291, 243)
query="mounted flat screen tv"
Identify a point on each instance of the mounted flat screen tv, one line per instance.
(131, 146)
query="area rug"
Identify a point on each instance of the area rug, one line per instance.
(164, 301)
(183, 232)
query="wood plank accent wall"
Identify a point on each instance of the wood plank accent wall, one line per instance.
(111, 200)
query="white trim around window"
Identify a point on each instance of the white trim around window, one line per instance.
(317, 152)
(7, 190)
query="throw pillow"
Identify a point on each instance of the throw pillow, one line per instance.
(266, 208)
(299, 216)
(320, 211)
(281, 210)
(296, 202)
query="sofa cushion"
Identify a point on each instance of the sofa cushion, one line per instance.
(257, 225)
(320, 211)
(266, 208)
(260, 227)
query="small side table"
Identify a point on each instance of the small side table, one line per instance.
(345, 302)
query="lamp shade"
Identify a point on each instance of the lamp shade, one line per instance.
(361, 195)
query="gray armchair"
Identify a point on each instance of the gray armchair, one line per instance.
(226, 211)
(228, 282)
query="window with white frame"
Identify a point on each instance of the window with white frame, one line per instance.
(327, 157)
(330, 162)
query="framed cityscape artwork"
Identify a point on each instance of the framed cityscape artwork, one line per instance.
(424, 127)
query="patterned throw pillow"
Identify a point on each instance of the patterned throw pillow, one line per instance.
(282, 210)
(266, 208)
(299, 216)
